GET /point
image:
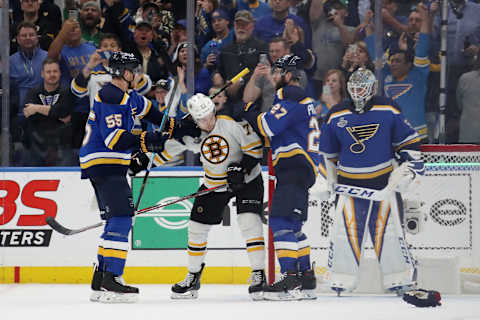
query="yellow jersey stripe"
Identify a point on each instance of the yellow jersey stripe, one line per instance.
(114, 141)
(282, 253)
(112, 253)
(369, 175)
(100, 161)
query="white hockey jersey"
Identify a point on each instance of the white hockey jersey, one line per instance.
(225, 144)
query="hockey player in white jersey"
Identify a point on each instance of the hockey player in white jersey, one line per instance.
(361, 138)
(230, 153)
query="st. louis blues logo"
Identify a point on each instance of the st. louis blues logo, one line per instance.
(360, 134)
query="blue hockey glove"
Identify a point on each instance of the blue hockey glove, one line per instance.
(423, 298)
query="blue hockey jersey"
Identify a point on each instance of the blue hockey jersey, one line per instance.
(365, 144)
(292, 129)
(111, 118)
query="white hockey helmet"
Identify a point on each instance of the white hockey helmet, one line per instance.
(199, 106)
(362, 86)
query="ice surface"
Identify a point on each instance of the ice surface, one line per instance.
(222, 302)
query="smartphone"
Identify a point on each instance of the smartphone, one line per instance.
(263, 59)
(352, 48)
(326, 89)
(73, 13)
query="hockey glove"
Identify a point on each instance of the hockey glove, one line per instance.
(235, 177)
(152, 141)
(423, 298)
(177, 129)
(405, 175)
(138, 162)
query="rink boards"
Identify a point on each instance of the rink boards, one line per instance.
(31, 252)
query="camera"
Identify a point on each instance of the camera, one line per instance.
(414, 216)
(73, 13)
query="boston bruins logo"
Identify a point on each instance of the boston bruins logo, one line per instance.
(215, 149)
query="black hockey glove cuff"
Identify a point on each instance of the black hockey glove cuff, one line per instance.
(138, 162)
(235, 177)
(180, 128)
(248, 163)
(152, 141)
(423, 298)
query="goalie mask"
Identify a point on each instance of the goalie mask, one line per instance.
(362, 86)
(121, 61)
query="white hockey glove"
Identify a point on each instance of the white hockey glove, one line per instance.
(403, 177)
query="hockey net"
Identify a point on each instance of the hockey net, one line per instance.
(445, 243)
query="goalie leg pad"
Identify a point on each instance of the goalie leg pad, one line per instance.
(346, 243)
(197, 245)
(396, 262)
(251, 228)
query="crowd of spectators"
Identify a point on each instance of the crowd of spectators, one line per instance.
(59, 51)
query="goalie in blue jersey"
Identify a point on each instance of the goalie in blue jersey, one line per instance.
(105, 158)
(362, 139)
(291, 128)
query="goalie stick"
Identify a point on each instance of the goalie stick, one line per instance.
(55, 225)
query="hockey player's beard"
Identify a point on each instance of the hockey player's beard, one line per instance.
(280, 84)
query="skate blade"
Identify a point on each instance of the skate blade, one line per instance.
(256, 296)
(309, 294)
(185, 296)
(283, 296)
(116, 297)
(95, 296)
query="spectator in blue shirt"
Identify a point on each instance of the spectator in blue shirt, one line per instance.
(223, 36)
(25, 73)
(272, 25)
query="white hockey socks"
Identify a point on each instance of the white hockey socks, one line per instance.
(197, 245)
(251, 228)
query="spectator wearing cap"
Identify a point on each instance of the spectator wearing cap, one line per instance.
(256, 7)
(25, 73)
(242, 53)
(178, 35)
(223, 36)
(154, 59)
(273, 25)
(47, 22)
(330, 36)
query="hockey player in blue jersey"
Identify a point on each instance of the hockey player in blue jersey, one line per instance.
(104, 159)
(291, 128)
(362, 139)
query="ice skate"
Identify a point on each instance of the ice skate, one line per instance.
(257, 284)
(188, 288)
(96, 285)
(287, 288)
(116, 291)
(309, 284)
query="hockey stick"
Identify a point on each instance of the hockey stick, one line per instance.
(68, 232)
(230, 82)
(152, 156)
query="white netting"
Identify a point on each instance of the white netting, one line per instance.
(452, 216)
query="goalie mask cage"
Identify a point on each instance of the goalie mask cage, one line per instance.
(446, 246)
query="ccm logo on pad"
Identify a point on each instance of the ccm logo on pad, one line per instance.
(354, 191)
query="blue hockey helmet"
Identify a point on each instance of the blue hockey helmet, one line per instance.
(121, 61)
